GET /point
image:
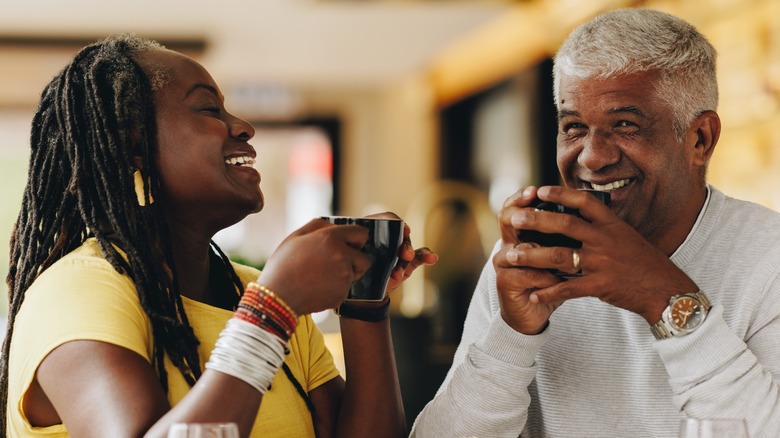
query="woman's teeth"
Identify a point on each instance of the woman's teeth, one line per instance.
(241, 161)
(610, 186)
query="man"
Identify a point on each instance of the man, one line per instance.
(676, 309)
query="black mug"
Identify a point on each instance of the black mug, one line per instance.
(385, 236)
(554, 239)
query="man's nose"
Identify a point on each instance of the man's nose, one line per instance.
(599, 150)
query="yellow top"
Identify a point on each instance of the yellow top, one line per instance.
(82, 297)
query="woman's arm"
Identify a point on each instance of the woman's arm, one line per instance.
(112, 391)
(369, 404)
(372, 404)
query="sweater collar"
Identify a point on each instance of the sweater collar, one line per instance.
(702, 229)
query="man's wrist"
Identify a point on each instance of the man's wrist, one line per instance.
(523, 327)
(685, 313)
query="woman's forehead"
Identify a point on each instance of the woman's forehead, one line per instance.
(165, 67)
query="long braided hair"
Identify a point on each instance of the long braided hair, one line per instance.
(94, 117)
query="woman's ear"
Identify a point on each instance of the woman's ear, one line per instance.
(141, 187)
(138, 162)
(707, 128)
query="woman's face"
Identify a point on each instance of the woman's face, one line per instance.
(204, 159)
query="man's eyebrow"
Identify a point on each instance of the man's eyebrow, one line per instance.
(566, 113)
(203, 86)
(627, 109)
(617, 110)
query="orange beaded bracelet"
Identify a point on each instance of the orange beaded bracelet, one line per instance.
(267, 310)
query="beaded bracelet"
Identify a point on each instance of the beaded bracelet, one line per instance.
(253, 343)
(270, 293)
(267, 310)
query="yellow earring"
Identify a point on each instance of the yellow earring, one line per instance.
(138, 182)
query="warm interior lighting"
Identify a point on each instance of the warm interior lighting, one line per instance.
(30, 61)
(518, 39)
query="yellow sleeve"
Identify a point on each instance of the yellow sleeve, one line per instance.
(80, 297)
(321, 366)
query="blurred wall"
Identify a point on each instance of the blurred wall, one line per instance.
(14, 154)
(389, 151)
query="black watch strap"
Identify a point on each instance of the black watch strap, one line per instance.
(368, 314)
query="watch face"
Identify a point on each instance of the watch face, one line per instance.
(686, 313)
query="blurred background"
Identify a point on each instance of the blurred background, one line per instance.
(434, 109)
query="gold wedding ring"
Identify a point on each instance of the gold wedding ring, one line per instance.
(575, 259)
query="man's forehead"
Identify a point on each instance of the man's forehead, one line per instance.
(611, 96)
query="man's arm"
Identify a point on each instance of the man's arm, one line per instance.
(485, 390)
(727, 380)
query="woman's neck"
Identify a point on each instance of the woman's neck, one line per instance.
(203, 276)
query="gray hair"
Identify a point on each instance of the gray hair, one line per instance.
(158, 75)
(638, 40)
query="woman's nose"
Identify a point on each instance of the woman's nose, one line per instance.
(598, 151)
(241, 129)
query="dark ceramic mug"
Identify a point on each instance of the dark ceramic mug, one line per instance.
(385, 236)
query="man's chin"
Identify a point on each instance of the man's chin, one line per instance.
(622, 212)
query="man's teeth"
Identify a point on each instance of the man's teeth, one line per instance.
(241, 161)
(610, 186)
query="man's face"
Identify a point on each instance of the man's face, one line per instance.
(614, 135)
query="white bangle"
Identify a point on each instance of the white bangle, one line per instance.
(247, 352)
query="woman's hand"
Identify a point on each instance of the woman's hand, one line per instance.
(313, 268)
(409, 258)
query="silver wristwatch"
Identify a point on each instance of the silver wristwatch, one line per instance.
(685, 313)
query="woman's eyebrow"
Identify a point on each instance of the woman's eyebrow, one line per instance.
(201, 86)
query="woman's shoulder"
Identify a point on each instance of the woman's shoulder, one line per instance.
(83, 265)
(245, 273)
(82, 296)
(83, 276)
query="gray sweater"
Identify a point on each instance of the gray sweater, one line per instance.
(597, 371)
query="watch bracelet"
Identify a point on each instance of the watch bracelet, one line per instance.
(660, 329)
(703, 299)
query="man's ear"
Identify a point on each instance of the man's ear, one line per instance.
(707, 131)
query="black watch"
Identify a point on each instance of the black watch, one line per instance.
(368, 314)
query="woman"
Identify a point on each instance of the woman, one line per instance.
(118, 295)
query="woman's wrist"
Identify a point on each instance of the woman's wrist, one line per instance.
(253, 343)
(247, 352)
(369, 311)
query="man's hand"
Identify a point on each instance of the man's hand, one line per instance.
(515, 281)
(618, 265)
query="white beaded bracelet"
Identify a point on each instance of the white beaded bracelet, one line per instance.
(247, 352)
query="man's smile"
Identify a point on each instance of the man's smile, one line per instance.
(609, 186)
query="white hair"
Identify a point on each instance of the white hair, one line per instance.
(638, 40)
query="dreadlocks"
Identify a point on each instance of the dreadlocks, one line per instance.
(94, 117)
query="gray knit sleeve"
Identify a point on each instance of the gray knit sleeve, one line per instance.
(485, 392)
